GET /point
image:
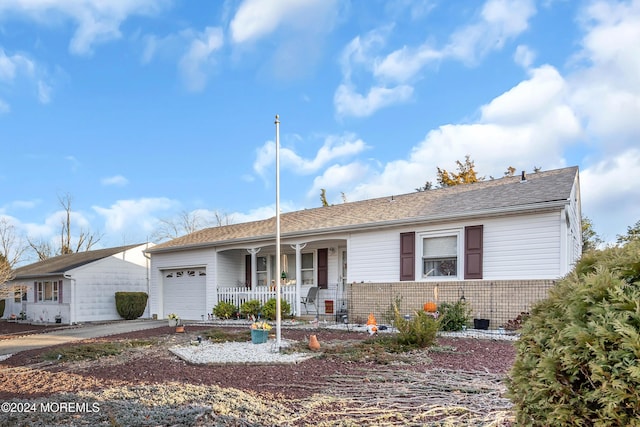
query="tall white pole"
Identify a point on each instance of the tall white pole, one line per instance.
(278, 290)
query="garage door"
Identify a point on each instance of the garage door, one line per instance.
(184, 293)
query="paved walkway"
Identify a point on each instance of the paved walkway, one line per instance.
(76, 333)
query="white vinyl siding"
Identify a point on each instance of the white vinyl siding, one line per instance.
(96, 285)
(515, 247)
(374, 257)
(522, 247)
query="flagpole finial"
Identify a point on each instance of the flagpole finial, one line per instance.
(277, 118)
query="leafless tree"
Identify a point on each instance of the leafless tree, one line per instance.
(84, 241)
(12, 249)
(187, 223)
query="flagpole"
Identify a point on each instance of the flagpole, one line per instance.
(278, 290)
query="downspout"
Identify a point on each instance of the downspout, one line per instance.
(148, 257)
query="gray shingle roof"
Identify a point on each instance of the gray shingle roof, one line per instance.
(62, 263)
(484, 197)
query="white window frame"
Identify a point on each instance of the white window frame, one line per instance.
(262, 276)
(457, 233)
(42, 291)
(308, 273)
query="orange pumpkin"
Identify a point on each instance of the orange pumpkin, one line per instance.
(430, 307)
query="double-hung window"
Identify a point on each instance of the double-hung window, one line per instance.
(440, 255)
(261, 270)
(48, 291)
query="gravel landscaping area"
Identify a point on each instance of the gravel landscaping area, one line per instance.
(460, 381)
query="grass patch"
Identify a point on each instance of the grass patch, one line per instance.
(93, 351)
(220, 335)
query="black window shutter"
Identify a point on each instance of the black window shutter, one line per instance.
(247, 270)
(35, 287)
(407, 256)
(323, 268)
(473, 252)
(60, 291)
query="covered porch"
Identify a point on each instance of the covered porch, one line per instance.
(245, 274)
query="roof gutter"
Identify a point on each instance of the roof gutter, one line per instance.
(537, 207)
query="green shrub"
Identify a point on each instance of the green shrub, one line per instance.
(131, 305)
(224, 310)
(577, 357)
(419, 331)
(269, 309)
(453, 317)
(251, 308)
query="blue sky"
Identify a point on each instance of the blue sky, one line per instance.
(140, 110)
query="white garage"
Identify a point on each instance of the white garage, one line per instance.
(184, 293)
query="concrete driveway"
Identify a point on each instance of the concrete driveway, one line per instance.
(75, 333)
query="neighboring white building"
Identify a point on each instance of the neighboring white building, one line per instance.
(79, 287)
(512, 229)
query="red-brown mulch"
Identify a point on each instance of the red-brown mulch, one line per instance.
(156, 365)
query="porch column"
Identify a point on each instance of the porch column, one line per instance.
(298, 247)
(254, 266)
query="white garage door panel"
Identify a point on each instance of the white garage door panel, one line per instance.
(184, 293)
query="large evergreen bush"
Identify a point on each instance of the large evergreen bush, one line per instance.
(577, 357)
(131, 305)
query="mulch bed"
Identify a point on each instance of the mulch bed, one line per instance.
(26, 376)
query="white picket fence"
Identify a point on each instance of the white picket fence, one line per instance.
(239, 294)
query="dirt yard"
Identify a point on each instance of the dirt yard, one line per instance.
(458, 381)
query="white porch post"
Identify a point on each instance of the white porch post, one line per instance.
(298, 247)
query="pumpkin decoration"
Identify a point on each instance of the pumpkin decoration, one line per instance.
(430, 307)
(314, 344)
(372, 325)
(371, 320)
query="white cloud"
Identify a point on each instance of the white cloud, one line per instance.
(499, 21)
(196, 62)
(334, 147)
(44, 92)
(360, 52)
(529, 100)
(256, 19)
(117, 180)
(524, 56)
(96, 21)
(348, 102)
(16, 66)
(610, 193)
(50, 229)
(336, 178)
(606, 90)
(134, 215)
(404, 64)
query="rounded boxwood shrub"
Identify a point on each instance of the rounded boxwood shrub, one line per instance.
(131, 305)
(269, 309)
(224, 310)
(251, 308)
(577, 357)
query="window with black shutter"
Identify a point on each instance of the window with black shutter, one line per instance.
(407, 256)
(323, 268)
(473, 236)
